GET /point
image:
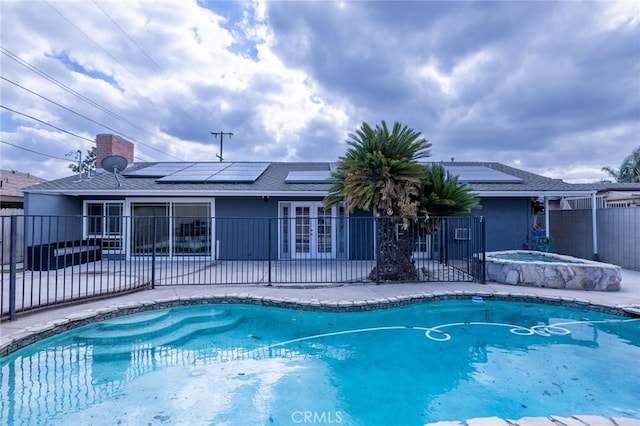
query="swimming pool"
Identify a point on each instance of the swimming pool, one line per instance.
(241, 364)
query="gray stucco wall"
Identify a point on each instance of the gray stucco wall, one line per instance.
(247, 228)
(361, 235)
(508, 222)
(56, 205)
(52, 218)
(240, 236)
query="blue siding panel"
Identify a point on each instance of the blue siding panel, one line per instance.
(508, 222)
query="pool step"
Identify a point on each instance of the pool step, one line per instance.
(119, 337)
(142, 327)
(111, 349)
(135, 320)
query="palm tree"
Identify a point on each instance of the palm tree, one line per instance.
(380, 173)
(629, 171)
(441, 194)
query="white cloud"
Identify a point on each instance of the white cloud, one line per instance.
(510, 82)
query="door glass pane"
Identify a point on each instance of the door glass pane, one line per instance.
(303, 229)
(342, 232)
(143, 228)
(94, 213)
(422, 242)
(324, 230)
(191, 229)
(284, 221)
(114, 219)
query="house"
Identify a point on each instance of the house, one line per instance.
(608, 194)
(11, 184)
(182, 209)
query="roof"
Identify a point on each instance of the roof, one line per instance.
(610, 186)
(12, 182)
(273, 182)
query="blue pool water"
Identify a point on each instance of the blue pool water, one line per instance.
(240, 364)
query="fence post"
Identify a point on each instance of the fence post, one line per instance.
(376, 225)
(269, 249)
(445, 238)
(483, 248)
(13, 242)
(153, 253)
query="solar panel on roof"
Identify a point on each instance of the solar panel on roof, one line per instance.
(183, 178)
(240, 172)
(217, 172)
(481, 174)
(158, 170)
(215, 167)
(315, 176)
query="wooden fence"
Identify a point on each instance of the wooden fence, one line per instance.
(5, 224)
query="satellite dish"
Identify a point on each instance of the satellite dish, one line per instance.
(114, 163)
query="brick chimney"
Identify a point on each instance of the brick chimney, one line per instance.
(107, 145)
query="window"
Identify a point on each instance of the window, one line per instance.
(103, 220)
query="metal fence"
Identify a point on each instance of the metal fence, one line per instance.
(71, 258)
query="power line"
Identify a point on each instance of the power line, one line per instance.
(86, 36)
(61, 106)
(81, 115)
(48, 124)
(151, 60)
(63, 86)
(35, 152)
(96, 44)
(120, 63)
(66, 88)
(128, 37)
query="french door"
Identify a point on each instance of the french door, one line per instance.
(314, 234)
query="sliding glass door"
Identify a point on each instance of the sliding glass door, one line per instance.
(173, 228)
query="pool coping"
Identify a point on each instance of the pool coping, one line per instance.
(25, 336)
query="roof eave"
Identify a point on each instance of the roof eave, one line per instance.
(179, 193)
(298, 193)
(533, 193)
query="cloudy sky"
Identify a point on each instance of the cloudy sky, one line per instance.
(549, 87)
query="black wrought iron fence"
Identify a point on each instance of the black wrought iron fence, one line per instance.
(71, 258)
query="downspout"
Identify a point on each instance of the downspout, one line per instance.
(546, 216)
(594, 226)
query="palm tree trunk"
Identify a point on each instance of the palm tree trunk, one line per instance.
(395, 252)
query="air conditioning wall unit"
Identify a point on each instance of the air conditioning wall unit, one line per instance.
(462, 233)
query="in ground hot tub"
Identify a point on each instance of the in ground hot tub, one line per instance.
(538, 269)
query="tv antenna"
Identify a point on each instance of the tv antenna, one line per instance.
(115, 164)
(222, 134)
(76, 155)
